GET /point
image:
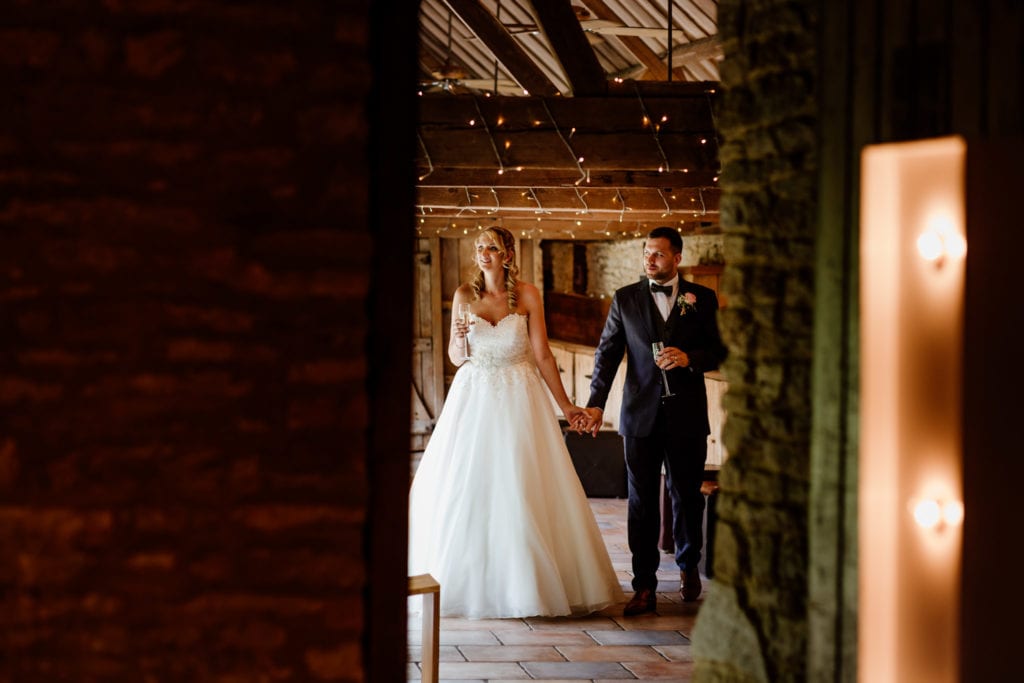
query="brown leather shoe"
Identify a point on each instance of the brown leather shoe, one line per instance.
(642, 602)
(689, 585)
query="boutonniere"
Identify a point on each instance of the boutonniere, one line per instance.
(687, 302)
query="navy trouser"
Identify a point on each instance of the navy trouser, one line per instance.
(683, 457)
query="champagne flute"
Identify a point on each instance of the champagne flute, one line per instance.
(466, 316)
(657, 348)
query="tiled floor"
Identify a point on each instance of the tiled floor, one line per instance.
(601, 647)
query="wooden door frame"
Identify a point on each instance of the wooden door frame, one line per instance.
(391, 120)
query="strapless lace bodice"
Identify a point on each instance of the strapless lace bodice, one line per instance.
(503, 344)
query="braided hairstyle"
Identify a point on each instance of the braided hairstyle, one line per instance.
(506, 244)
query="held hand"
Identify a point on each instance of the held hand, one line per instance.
(575, 416)
(672, 358)
(593, 421)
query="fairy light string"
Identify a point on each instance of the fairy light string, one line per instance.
(430, 164)
(584, 175)
(655, 129)
(714, 129)
(490, 136)
(586, 209)
(540, 207)
(668, 209)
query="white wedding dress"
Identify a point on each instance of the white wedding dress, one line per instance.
(497, 513)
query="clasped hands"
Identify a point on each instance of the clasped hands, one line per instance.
(590, 419)
(585, 420)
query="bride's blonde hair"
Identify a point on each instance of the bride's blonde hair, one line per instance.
(506, 243)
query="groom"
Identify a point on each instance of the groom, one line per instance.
(656, 429)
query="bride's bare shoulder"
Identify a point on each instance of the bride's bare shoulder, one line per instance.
(528, 292)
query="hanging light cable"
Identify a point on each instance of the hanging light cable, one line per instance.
(490, 136)
(575, 158)
(670, 3)
(430, 164)
(655, 129)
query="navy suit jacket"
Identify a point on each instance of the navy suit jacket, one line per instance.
(633, 323)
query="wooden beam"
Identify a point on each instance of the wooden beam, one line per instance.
(563, 31)
(645, 141)
(656, 69)
(682, 56)
(554, 227)
(505, 48)
(475, 176)
(591, 202)
(685, 110)
(695, 50)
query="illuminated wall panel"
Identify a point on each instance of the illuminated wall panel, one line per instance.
(913, 247)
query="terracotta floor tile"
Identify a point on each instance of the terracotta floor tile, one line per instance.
(482, 670)
(457, 638)
(445, 653)
(572, 624)
(458, 624)
(577, 670)
(610, 653)
(675, 653)
(638, 638)
(658, 622)
(544, 638)
(664, 671)
(511, 653)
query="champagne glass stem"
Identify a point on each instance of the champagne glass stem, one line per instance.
(465, 314)
(656, 349)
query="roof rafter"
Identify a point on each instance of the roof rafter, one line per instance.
(563, 31)
(656, 68)
(505, 48)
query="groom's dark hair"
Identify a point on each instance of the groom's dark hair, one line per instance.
(671, 234)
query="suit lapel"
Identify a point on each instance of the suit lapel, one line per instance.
(648, 312)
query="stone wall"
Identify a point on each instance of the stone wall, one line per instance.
(611, 265)
(183, 278)
(753, 625)
(615, 263)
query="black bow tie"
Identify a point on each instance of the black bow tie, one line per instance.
(666, 289)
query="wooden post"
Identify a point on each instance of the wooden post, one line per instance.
(430, 589)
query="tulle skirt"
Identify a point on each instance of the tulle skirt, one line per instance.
(497, 513)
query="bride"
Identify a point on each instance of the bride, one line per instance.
(497, 513)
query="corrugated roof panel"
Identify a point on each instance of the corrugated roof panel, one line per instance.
(692, 20)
